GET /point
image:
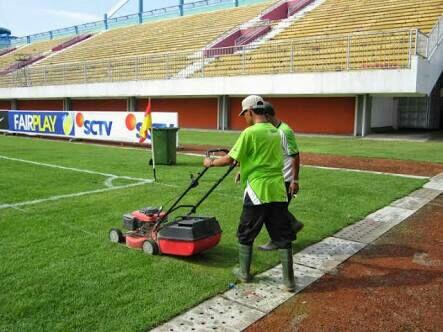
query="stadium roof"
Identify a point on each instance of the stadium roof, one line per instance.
(4, 31)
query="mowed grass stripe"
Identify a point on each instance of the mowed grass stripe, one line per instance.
(59, 271)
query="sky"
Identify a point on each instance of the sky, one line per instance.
(25, 17)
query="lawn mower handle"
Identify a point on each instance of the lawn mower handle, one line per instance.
(194, 207)
(194, 183)
(208, 152)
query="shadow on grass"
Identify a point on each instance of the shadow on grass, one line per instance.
(219, 257)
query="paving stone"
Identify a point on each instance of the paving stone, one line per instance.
(304, 276)
(365, 231)
(410, 203)
(435, 183)
(438, 178)
(424, 193)
(327, 254)
(216, 314)
(391, 214)
(261, 294)
(266, 292)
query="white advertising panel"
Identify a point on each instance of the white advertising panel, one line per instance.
(119, 126)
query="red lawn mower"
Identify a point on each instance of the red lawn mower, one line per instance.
(150, 230)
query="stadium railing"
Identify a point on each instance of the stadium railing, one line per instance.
(435, 37)
(189, 8)
(356, 51)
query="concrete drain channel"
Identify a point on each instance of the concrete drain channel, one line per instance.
(243, 305)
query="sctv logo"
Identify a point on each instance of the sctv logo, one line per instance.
(93, 127)
(132, 124)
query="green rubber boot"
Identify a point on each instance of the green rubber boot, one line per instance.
(245, 257)
(288, 270)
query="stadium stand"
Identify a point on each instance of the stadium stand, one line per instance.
(30, 50)
(159, 39)
(6, 51)
(377, 32)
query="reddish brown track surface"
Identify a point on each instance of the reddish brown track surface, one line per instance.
(394, 284)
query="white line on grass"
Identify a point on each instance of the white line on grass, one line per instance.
(369, 172)
(73, 169)
(78, 194)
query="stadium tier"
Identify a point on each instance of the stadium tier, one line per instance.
(27, 51)
(338, 35)
(157, 39)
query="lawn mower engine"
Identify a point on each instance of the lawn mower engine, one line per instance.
(185, 236)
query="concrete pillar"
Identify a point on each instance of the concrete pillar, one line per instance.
(131, 104)
(67, 104)
(223, 113)
(14, 104)
(362, 118)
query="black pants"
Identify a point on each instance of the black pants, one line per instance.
(295, 224)
(274, 216)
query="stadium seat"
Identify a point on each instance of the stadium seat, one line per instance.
(337, 18)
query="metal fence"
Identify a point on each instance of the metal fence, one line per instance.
(358, 51)
(188, 8)
(435, 37)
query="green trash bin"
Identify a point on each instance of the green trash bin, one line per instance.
(165, 146)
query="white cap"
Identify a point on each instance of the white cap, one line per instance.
(251, 101)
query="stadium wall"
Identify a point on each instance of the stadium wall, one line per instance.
(5, 105)
(384, 113)
(198, 113)
(325, 115)
(99, 105)
(40, 105)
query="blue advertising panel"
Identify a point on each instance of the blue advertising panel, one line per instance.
(42, 123)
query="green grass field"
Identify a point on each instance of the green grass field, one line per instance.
(356, 147)
(58, 271)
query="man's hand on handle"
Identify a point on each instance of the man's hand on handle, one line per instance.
(237, 178)
(293, 188)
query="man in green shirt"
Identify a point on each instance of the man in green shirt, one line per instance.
(291, 166)
(259, 152)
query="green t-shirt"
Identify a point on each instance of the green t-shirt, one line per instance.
(290, 149)
(290, 138)
(259, 152)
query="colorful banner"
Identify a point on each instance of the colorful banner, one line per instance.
(119, 126)
(104, 126)
(42, 123)
(4, 125)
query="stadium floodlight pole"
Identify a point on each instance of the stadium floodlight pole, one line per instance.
(181, 4)
(140, 11)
